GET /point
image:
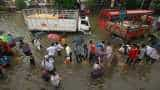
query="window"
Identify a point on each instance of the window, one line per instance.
(84, 22)
(83, 17)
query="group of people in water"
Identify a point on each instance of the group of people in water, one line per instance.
(79, 51)
(139, 53)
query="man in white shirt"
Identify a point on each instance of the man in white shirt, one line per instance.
(68, 52)
(52, 50)
(47, 64)
(37, 43)
(59, 48)
(152, 53)
(109, 51)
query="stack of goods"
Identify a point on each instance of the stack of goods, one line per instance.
(46, 16)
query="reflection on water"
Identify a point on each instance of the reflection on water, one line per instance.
(96, 84)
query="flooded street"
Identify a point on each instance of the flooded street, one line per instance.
(20, 76)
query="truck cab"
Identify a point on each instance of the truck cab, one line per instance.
(84, 24)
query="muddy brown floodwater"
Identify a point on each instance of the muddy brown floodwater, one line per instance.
(75, 76)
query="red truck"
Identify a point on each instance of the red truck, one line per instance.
(135, 24)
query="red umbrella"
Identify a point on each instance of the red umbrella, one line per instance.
(54, 37)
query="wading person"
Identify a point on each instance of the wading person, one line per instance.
(133, 55)
(124, 49)
(59, 48)
(27, 51)
(55, 80)
(109, 52)
(101, 54)
(68, 54)
(92, 52)
(97, 71)
(103, 44)
(152, 54)
(45, 75)
(48, 67)
(32, 61)
(48, 64)
(142, 53)
(79, 53)
(37, 43)
(52, 50)
(85, 50)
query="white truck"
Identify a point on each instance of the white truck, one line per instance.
(55, 20)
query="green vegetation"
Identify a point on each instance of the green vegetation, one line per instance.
(20, 4)
(90, 3)
(131, 4)
(65, 4)
(155, 4)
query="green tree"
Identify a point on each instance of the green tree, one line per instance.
(155, 4)
(65, 4)
(20, 4)
(133, 4)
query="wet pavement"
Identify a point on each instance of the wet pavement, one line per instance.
(75, 76)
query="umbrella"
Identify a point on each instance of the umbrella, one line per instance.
(54, 37)
(8, 39)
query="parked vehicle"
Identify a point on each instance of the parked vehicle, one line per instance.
(55, 20)
(135, 24)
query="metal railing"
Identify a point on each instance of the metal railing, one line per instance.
(64, 13)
